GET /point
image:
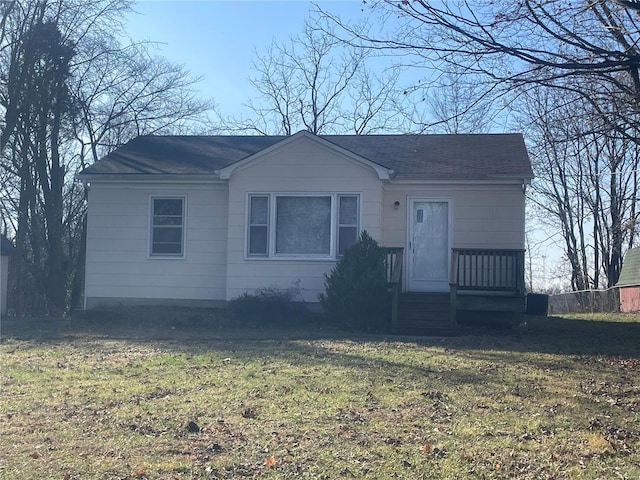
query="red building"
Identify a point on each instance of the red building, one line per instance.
(629, 282)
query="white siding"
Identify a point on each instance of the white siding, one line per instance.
(484, 216)
(303, 166)
(118, 265)
(216, 267)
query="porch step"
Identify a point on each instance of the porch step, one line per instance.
(424, 314)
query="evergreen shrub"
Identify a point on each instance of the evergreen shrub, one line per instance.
(356, 291)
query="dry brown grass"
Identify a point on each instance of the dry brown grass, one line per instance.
(186, 399)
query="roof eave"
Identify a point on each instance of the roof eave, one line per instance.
(149, 177)
(519, 180)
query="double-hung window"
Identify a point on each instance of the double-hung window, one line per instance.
(303, 226)
(259, 225)
(167, 226)
(348, 213)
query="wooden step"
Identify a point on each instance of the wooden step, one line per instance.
(432, 298)
(424, 314)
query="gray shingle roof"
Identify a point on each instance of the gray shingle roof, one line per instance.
(437, 157)
(630, 274)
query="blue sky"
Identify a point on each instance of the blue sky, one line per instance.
(217, 39)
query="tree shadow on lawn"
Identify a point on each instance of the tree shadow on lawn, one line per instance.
(310, 347)
(476, 357)
(568, 336)
(551, 335)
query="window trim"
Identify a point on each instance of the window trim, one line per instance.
(272, 225)
(167, 256)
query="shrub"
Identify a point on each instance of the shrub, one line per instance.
(356, 291)
(270, 305)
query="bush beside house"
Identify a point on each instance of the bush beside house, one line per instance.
(357, 294)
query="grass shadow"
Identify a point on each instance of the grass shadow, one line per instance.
(182, 330)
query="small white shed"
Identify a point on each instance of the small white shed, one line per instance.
(6, 250)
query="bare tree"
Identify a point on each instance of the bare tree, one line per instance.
(456, 105)
(586, 185)
(71, 92)
(123, 91)
(515, 43)
(317, 83)
(586, 50)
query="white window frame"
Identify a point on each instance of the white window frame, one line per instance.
(272, 222)
(165, 256)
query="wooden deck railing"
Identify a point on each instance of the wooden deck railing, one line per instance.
(394, 264)
(488, 269)
(472, 269)
(485, 270)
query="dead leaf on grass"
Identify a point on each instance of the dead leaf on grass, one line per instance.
(439, 452)
(270, 462)
(250, 412)
(139, 473)
(193, 427)
(434, 395)
(489, 367)
(395, 442)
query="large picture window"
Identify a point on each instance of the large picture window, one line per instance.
(308, 226)
(167, 226)
(303, 225)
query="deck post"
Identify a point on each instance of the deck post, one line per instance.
(394, 309)
(453, 289)
(393, 265)
(453, 301)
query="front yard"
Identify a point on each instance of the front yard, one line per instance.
(84, 400)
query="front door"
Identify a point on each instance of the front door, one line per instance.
(429, 245)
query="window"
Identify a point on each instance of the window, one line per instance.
(307, 226)
(303, 225)
(167, 226)
(258, 225)
(347, 222)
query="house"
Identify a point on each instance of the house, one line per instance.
(199, 220)
(629, 281)
(6, 250)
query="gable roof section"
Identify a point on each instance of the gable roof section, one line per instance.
(381, 171)
(630, 274)
(432, 157)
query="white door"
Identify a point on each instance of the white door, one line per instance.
(429, 246)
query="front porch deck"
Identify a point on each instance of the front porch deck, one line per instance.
(486, 285)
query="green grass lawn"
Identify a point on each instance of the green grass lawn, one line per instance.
(559, 399)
